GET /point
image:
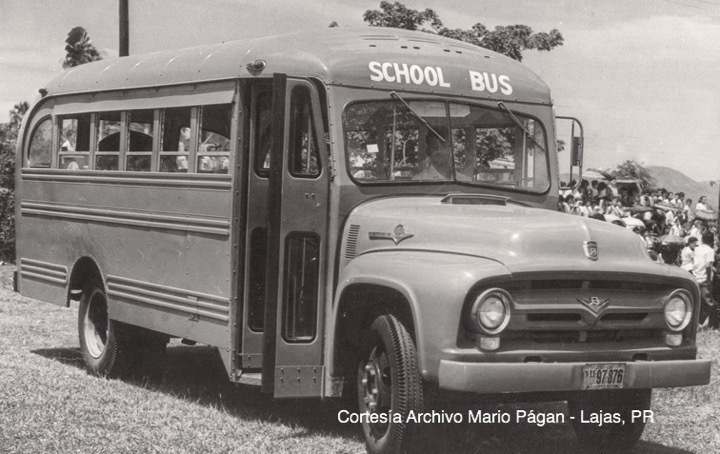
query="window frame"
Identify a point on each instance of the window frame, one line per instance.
(310, 127)
(133, 153)
(53, 133)
(446, 102)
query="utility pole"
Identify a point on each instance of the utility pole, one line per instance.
(124, 29)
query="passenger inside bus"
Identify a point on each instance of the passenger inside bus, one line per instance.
(68, 143)
(184, 143)
(438, 164)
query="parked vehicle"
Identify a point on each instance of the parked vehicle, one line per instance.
(375, 216)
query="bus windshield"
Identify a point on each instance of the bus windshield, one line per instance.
(411, 141)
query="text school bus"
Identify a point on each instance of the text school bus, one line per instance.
(368, 212)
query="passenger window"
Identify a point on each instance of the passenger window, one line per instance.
(107, 155)
(176, 139)
(74, 149)
(41, 145)
(140, 140)
(304, 158)
(214, 141)
(302, 257)
(256, 290)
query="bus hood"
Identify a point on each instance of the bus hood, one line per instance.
(521, 238)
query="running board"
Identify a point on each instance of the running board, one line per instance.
(250, 378)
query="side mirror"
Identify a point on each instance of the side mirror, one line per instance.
(576, 152)
(576, 145)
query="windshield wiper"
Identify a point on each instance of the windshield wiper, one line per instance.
(521, 126)
(424, 122)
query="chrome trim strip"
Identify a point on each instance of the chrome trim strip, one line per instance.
(160, 296)
(50, 272)
(188, 223)
(114, 178)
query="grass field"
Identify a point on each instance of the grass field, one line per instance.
(49, 404)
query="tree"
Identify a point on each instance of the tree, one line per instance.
(17, 113)
(79, 49)
(8, 140)
(397, 15)
(632, 170)
(509, 40)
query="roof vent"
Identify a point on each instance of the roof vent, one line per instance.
(475, 199)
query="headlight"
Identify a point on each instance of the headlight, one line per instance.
(678, 310)
(491, 311)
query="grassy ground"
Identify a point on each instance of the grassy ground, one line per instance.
(49, 404)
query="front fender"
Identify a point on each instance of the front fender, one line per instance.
(435, 286)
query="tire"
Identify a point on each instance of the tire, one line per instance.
(388, 383)
(611, 437)
(106, 345)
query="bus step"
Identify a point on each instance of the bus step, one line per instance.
(251, 378)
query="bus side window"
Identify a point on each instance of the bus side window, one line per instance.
(140, 140)
(107, 155)
(214, 140)
(302, 257)
(41, 144)
(74, 147)
(304, 158)
(176, 139)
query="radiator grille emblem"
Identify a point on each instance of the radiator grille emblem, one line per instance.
(594, 303)
(591, 250)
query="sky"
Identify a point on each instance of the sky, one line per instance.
(641, 75)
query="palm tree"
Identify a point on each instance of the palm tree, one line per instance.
(17, 113)
(80, 49)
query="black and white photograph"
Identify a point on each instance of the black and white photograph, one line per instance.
(437, 226)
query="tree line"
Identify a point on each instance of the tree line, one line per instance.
(509, 40)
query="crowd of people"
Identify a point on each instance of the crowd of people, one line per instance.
(674, 230)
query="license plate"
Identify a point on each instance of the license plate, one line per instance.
(603, 376)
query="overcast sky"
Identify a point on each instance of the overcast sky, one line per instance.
(641, 75)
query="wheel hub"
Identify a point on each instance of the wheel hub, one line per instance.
(376, 384)
(370, 382)
(96, 326)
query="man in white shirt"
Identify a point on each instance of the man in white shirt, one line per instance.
(704, 256)
(688, 254)
(438, 165)
(702, 206)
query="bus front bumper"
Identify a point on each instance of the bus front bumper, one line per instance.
(540, 377)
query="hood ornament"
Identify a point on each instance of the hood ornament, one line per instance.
(595, 304)
(591, 250)
(396, 236)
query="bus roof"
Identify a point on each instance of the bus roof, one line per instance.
(370, 57)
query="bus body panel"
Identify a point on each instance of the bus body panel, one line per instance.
(390, 59)
(185, 254)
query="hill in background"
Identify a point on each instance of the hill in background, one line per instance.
(676, 181)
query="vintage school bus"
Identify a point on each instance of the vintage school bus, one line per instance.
(367, 212)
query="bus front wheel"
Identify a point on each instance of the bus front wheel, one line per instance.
(106, 344)
(389, 386)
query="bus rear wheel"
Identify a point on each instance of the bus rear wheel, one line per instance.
(106, 344)
(389, 386)
(626, 407)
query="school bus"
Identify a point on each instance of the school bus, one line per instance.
(370, 213)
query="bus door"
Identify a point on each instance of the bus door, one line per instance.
(297, 237)
(257, 216)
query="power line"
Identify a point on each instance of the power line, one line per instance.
(708, 2)
(695, 6)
